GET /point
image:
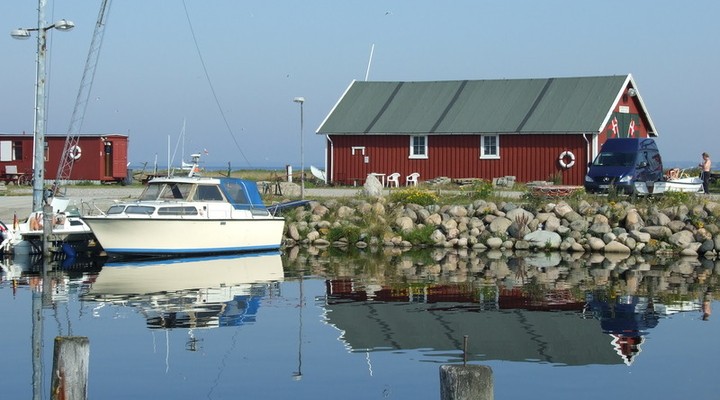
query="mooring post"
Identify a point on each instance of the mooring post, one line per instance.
(70, 368)
(466, 382)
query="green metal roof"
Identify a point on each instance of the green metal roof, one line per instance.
(552, 105)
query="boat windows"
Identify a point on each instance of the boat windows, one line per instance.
(177, 211)
(176, 191)
(152, 191)
(143, 210)
(208, 193)
(236, 192)
(117, 209)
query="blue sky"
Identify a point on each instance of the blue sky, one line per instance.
(259, 55)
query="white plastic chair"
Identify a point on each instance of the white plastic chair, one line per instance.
(393, 179)
(412, 179)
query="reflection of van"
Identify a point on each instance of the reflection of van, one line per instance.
(622, 162)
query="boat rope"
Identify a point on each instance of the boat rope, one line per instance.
(212, 88)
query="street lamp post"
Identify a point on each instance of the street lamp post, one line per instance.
(301, 100)
(39, 134)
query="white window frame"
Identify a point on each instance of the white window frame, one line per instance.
(412, 147)
(483, 155)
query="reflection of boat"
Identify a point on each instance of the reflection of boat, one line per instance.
(189, 215)
(688, 185)
(191, 292)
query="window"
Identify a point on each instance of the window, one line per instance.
(489, 146)
(418, 147)
(186, 210)
(208, 193)
(17, 150)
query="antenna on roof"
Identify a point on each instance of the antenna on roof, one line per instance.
(367, 72)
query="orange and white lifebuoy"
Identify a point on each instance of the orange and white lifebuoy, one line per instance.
(75, 152)
(567, 159)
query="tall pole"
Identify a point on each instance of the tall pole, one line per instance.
(39, 134)
(39, 129)
(301, 100)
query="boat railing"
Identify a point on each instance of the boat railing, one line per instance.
(87, 208)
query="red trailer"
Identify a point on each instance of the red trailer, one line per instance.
(98, 158)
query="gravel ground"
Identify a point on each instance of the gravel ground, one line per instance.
(91, 198)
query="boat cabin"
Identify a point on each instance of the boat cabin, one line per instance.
(193, 196)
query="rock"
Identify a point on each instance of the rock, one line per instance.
(499, 225)
(633, 220)
(681, 239)
(616, 247)
(494, 243)
(372, 187)
(405, 224)
(596, 244)
(543, 239)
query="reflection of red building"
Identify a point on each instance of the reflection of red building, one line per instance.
(515, 298)
(627, 347)
(101, 158)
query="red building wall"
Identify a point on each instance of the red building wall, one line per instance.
(101, 157)
(527, 157)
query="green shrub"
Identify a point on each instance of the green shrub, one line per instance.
(419, 236)
(413, 196)
(349, 232)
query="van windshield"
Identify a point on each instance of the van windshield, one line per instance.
(615, 159)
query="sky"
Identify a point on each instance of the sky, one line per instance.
(228, 70)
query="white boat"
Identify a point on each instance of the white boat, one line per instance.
(189, 215)
(687, 185)
(26, 237)
(318, 173)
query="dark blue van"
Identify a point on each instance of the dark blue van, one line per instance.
(621, 163)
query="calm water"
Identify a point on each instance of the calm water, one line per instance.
(324, 325)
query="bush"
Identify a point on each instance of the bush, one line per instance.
(419, 236)
(414, 196)
(349, 232)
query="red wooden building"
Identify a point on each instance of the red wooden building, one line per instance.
(100, 158)
(533, 129)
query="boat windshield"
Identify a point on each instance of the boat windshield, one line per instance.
(166, 191)
(236, 192)
(615, 159)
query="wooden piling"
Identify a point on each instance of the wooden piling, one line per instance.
(466, 382)
(70, 368)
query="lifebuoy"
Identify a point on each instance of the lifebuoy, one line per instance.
(75, 152)
(564, 157)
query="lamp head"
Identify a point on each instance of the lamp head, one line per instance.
(20, 34)
(299, 100)
(64, 25)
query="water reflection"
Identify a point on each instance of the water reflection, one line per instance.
(552, 308)
(405, 310)
(191, 292)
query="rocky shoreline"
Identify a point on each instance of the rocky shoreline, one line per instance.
(622, 227)
(574, 226)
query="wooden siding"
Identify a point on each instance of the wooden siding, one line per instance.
(94, 163)
(527, 157)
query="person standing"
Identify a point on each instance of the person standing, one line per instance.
(705, 165)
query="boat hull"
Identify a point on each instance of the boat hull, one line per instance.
(687, 185)
(168, 237)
